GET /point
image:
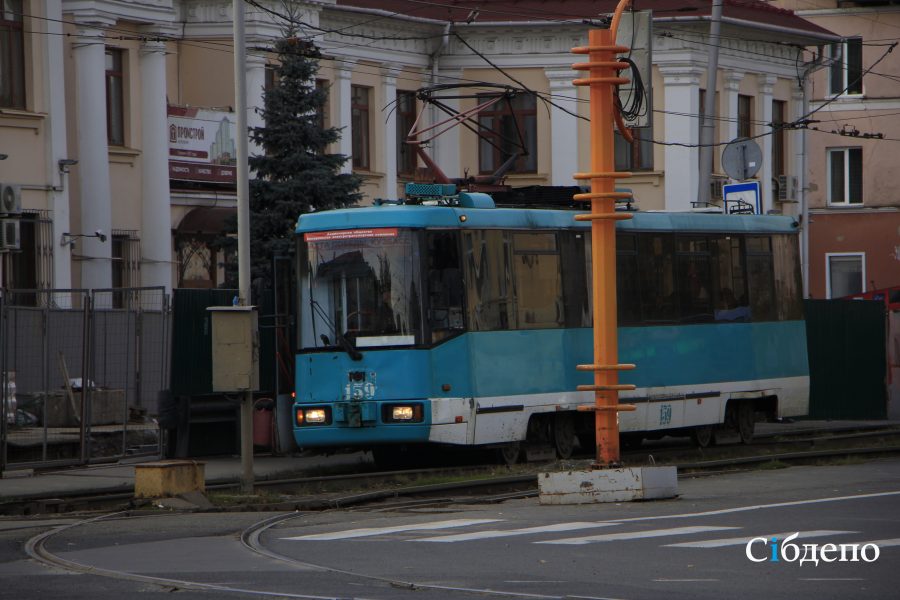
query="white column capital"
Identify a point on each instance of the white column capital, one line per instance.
(159, 32)
(89, 33)
(731, 80)
(153, 46)
(256, 60)
(681, 74)
(766, 83)
(389, 75)
(343, 68)
(560, 78)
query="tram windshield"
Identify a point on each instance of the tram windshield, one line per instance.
(361, 286)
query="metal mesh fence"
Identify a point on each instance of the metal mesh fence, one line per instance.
(86, 367)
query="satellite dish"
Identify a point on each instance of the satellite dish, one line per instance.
(741, 158)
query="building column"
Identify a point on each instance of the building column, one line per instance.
(256, 84)
(563, 126)
(796, 159)
(389, 141)
(766, 87)
(343, 74)
(445, 150)
(93, 157)
(731, 85)
(156, 219)
(682, 99)
(57, 145)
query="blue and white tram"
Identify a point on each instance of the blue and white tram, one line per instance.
(463, 324)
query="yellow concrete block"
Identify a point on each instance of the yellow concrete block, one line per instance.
(168, 478)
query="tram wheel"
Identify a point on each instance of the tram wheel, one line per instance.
(564, 435)
(703, 436)
(746, 421)
(509, 454)
(630, 441)
(392, 457)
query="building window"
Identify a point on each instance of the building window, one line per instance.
(845, 176)
(778, 153)
(745, 116)
(505, 128)
(115, 100)
(359, 125)
(126, 261)
(12, 55)
(31, 267)
(406, 118)
(845, 75)
(845, 274)
(638, 155)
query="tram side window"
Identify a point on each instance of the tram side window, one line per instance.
(538, 288)
(659, 302)
(788, 282)
(488, 274)
(693, 277)
(576, 280)
(628, 296)
(445, 286)
(730, 294)
(760, 279)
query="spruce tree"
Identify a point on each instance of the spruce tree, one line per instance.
(294, 173)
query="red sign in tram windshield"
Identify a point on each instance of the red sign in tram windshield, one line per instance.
(351, 234)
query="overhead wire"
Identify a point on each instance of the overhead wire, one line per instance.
(228, 48)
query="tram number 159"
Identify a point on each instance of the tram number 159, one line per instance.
(665, 414)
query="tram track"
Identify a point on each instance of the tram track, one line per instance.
(480, 482)
(38, 547)
(461, 492)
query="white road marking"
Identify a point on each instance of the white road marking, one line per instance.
(497, 533)
(743, 540)
(682, 580)
(830, 579)
(728, 511)
(371, 531)
(635, 535)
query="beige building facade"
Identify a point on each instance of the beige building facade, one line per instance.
(104, 102)
(854, 183)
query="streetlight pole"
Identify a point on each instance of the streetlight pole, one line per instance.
(243, 219)
(707, 121)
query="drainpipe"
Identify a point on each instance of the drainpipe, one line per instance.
(808, 69)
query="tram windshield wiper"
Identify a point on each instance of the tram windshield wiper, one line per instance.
(342, 342)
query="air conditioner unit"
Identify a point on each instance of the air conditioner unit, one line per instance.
(10, 199)
(716, 188)
(9, 235)
(787, 188)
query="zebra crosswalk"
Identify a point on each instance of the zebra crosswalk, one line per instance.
(561, 533)
(374, 531)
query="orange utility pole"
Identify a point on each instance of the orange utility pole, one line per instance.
(603, 69)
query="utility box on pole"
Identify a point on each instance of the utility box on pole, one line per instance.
(235, 348)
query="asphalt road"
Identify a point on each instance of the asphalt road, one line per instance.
(691, 547)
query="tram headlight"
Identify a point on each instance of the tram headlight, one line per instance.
(320, 415)
(402, 413)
